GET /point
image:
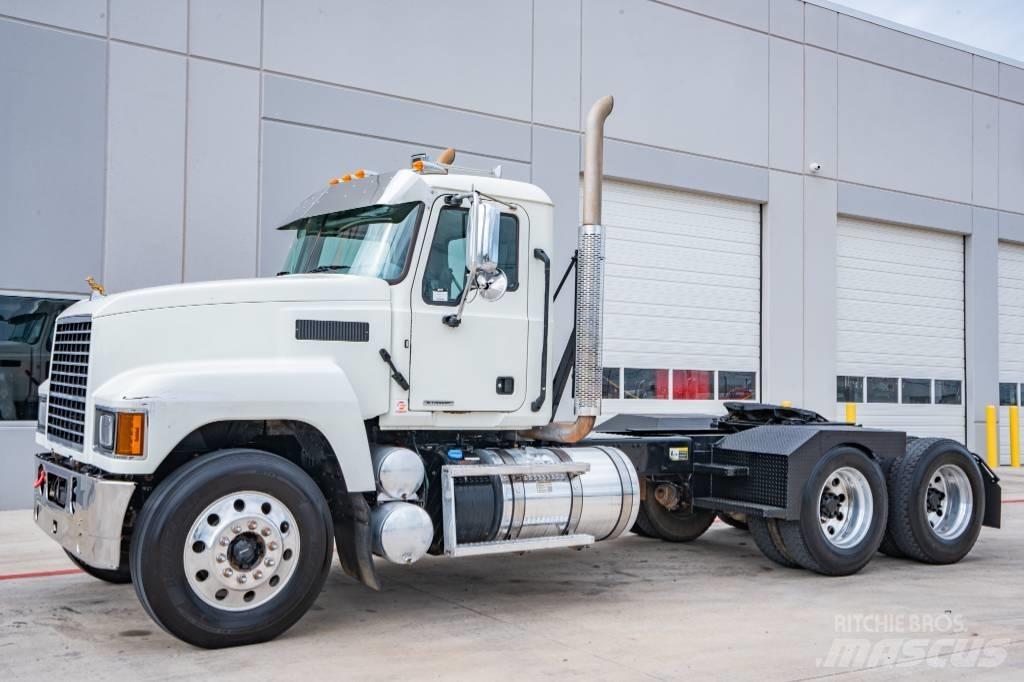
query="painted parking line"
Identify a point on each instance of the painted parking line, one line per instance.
(40, 574)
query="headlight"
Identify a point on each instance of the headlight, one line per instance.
(121, 433)
(41, 416)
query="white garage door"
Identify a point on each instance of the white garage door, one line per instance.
(1011, 338)
(682, 317)
(900, 328)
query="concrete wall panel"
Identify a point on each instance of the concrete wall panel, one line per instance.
(1011, 227)
(557, 32)
(223, 159)
(752, 13)
(145, 168)
(473, 55)
(882, 205)
(819, 295)
(52, 157)
(981, 306)
(347, 110)
(228, 30)
(986, 75)
(782, 290)
(160, 23)
(297, 160)
(1011, 82)
(786, 106)
(986, 151)
(905, 52)
(1011, 157)
(905, 133)
(786, 19)
(820, 27)
(821, 91)
(89, 16)
(684, 171)
(709, 93)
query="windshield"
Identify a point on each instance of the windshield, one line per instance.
(374, 241)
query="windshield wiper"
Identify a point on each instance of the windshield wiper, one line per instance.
(329, 268)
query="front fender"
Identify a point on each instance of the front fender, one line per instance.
(181, 397)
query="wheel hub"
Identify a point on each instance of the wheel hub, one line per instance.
(846, 507)
(241, 550)
(949, 502)
(245, 551)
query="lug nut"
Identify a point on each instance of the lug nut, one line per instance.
(272, 546)
(265, 532)
(269, 563)
(236, 529)
(228, 573)
(221, 558)
(225, 542)
(252, 525)
(257, 574)
(242, 578)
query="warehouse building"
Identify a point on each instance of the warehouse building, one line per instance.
(804, 203)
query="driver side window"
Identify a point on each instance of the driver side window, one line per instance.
(445, 274)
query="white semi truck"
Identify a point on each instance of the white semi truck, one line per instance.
(392, 393)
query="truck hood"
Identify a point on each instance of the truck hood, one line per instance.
(298, 288)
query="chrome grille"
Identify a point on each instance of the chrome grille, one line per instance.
(69, 377)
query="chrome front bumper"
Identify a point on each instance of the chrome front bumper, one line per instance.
(83, 513)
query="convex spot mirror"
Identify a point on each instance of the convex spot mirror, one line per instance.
(482, 236)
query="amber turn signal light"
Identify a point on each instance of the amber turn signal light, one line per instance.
(131, 428)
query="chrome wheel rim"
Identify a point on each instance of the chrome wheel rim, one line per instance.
(241, 551)
(846, 507)
(949, 502)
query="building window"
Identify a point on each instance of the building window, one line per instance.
(1008, 394)
(693, 384)
(737, 385)
(883, 390)
(445, 274)
(849, 389)
(948, 392)
(611, 383)
(26, 338)
(917, 391)
(645, 384)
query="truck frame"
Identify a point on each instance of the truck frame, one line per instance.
(393, 392)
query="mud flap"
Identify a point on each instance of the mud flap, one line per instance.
(993, 495)
(352, 536)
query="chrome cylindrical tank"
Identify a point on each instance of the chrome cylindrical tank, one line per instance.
(401, 531)
(602, 502)
(399, 471)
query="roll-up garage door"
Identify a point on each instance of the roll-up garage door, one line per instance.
(1011, 338)
(682, 316)
(900, 327)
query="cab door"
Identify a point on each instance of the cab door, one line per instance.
(481, 365)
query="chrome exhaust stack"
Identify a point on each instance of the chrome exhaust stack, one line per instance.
(589, 290)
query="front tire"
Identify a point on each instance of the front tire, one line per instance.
(843, 514)
(232, 548)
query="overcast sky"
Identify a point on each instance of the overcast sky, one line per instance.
(993, 25)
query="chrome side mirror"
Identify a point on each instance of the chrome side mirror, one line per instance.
(482, 236)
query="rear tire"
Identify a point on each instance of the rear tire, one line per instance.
(217, 518)
(843, 514)
(116, 576)
(683, 524)
(937, 501)
(768, 539)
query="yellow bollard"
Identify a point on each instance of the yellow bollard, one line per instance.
(787, 403)
(992, 436)
(851, 413)
(1014, 436)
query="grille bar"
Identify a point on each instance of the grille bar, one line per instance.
(69, 379)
